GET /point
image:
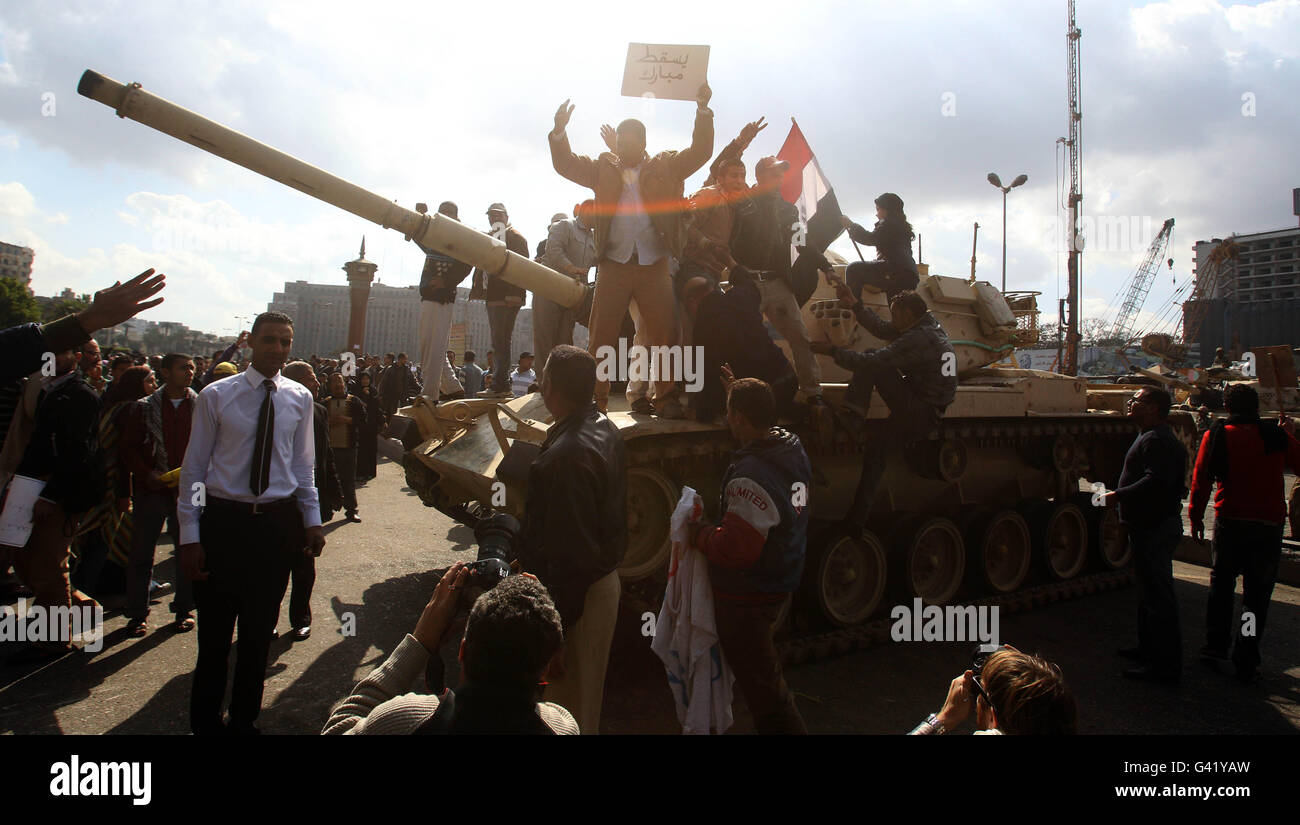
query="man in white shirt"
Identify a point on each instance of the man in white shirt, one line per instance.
(247, 509)
(522, 377)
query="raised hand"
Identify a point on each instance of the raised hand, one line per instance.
(704, 94)
(751, 129)
(562, 116)
(122, 301)
(610, 137)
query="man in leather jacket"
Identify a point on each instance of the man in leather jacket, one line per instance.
(575, 528)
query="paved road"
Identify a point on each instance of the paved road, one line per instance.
(381, 572)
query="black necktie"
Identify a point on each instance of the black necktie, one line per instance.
(259, 476)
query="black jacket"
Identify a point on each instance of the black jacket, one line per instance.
(441, 276)
(25, 344)
(892, 240)
(761, 233)
(62, 441)
(1152, 484)
(496, 288)
(922, 354)
(328, 489)
(575, 522)
(729, 326)
(397, 385)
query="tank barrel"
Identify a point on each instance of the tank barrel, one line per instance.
(435, 231)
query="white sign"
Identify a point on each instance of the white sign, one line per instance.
(665, 72)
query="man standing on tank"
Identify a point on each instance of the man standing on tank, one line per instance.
(503, 299)
(438, 282)
(640, 224)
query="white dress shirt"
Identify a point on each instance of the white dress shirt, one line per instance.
(220, 453)
(631, 230)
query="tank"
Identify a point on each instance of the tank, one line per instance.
(999, 500)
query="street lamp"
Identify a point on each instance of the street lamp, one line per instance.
(996, 181)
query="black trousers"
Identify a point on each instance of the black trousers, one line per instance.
(303, 577)
(880, 274)
(247, 558)
(1251, 550)
(1159, 635)
(909, 419)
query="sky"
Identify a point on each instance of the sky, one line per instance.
(1190, 111)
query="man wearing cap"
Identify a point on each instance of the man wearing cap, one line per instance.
(765, 223)
(503, 299)
(438, 282)
(570, 250)
(639, 225)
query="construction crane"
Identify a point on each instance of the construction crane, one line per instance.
(1213, 280)
(1135, 294)
(1074, 146)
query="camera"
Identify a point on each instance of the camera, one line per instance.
(495, 535)
(979, 657)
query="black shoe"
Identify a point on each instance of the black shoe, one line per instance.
(1213, 654)
(301, 633)
(1248, 676)
(354, 518)
(275, 634)
(1146, 673)
(1133, 653)
(643, 406)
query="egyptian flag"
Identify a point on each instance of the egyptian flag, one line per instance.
(807, 188)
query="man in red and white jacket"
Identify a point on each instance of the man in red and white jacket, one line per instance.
(756, 555)
(1246, 456)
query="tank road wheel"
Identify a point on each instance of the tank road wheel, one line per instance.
(651, 499)
(1110, 541)
(1060, 534)
(846, 577)
(932, 559)
(1000, 550)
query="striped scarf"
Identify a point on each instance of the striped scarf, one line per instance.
(114, 525)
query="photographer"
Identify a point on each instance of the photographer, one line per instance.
(1015, 694)
(512, 633)
(575, 527)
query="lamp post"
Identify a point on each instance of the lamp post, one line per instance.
(996, 181)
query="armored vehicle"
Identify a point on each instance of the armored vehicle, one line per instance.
(989, 505)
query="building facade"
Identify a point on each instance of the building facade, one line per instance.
(16, 263)
(1256, 301)
(320, 319)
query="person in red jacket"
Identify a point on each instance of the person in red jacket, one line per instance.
(1246, 456)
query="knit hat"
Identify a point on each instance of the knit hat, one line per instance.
(224, 369)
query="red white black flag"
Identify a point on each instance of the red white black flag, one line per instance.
(807, 188)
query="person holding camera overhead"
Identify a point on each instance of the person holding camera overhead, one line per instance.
(513, 632)
(575, 528)
(1010, 693)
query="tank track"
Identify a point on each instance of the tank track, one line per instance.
(811, 647)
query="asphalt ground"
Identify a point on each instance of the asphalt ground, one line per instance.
(375, 577)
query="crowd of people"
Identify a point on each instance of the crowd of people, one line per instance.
(243, 457)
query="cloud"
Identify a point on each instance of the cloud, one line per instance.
(431, 102)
